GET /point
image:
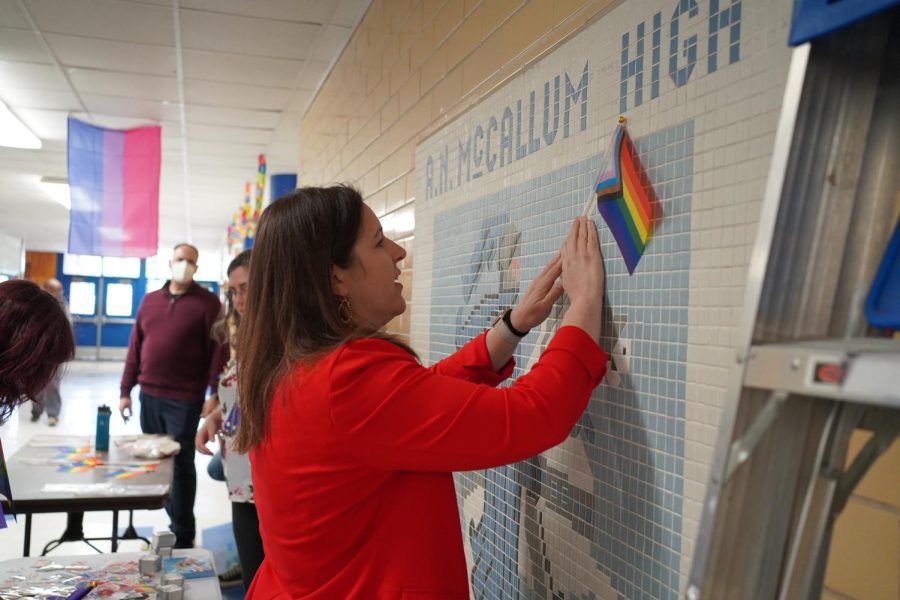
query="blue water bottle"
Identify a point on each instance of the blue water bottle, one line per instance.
(102, 442)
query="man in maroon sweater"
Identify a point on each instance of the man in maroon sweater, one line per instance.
(174, 358)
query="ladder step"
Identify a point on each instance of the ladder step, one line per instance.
(861, 370)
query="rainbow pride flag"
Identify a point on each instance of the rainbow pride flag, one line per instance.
(624, 200)
(114, 190)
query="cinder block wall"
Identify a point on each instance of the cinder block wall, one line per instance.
(411, 66)
(614, 511)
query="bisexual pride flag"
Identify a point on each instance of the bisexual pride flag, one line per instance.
(114, 187)
(624, 200)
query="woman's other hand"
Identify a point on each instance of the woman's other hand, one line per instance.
(538, 299)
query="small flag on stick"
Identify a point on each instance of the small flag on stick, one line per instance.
(623, 198)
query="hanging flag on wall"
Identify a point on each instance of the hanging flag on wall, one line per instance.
(114, 187)
(624, 198)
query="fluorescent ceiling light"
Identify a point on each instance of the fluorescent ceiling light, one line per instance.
(14, 133)
(58, 189)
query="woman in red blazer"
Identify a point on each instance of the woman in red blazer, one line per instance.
(353, 442)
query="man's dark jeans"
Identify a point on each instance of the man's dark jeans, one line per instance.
(179, 419)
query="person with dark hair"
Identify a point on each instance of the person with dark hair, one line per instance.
(352, 442)
(174, 358)
(223, 422)
(50, 398)
(35, 339)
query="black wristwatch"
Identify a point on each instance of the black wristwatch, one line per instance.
(507, 320)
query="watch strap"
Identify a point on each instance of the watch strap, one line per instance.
(507, 320)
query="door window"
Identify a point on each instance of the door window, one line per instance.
(83, 298)
(119, 299)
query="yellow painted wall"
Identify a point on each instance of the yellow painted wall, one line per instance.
(864, 562)
(411, 66)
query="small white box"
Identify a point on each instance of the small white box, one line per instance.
(162, 539)
(173, 579)
(150, 564)
(170, 592)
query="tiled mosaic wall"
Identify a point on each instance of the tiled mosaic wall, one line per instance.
(625, 510)
(613, 511)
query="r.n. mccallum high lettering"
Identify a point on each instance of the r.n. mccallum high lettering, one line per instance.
(682, 49)
(555, 111)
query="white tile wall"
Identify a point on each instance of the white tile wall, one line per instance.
(733, 113)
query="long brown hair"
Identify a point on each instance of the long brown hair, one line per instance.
(292, 314)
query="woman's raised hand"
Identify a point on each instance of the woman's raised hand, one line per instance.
(583, 277)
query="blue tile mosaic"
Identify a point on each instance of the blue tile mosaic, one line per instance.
(625, 525)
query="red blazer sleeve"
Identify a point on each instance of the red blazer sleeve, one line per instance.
(398, 415)
(473, 363)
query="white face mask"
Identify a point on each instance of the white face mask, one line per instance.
(183, 271)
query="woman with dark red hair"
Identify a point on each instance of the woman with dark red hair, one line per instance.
(35, 338)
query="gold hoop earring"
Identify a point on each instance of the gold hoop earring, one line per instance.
(345, 311)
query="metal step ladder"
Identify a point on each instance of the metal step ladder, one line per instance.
(807, 375)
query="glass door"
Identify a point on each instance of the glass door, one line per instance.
(103, 294)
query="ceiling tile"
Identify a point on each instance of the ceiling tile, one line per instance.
(349, 12)
(245, 161)
(235, 68)
(49, 124)
(23, 45)
(251, 151)
(289, 129)
(32, 76)
(309, 11)
(235, 95)
(217, 133)
(111, 55)
(112, 83)
(11, 16)
(285, 155)
(238, 117)
(245, 35)
(136, 108)
(300, 100)
(329, 42)
(241, 69)
(119, 122)
(314, 71)
(15, 97)
(126, 21)
(28, 165)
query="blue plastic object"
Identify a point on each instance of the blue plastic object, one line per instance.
(813, 18)
(883, 303)
(101, 442)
